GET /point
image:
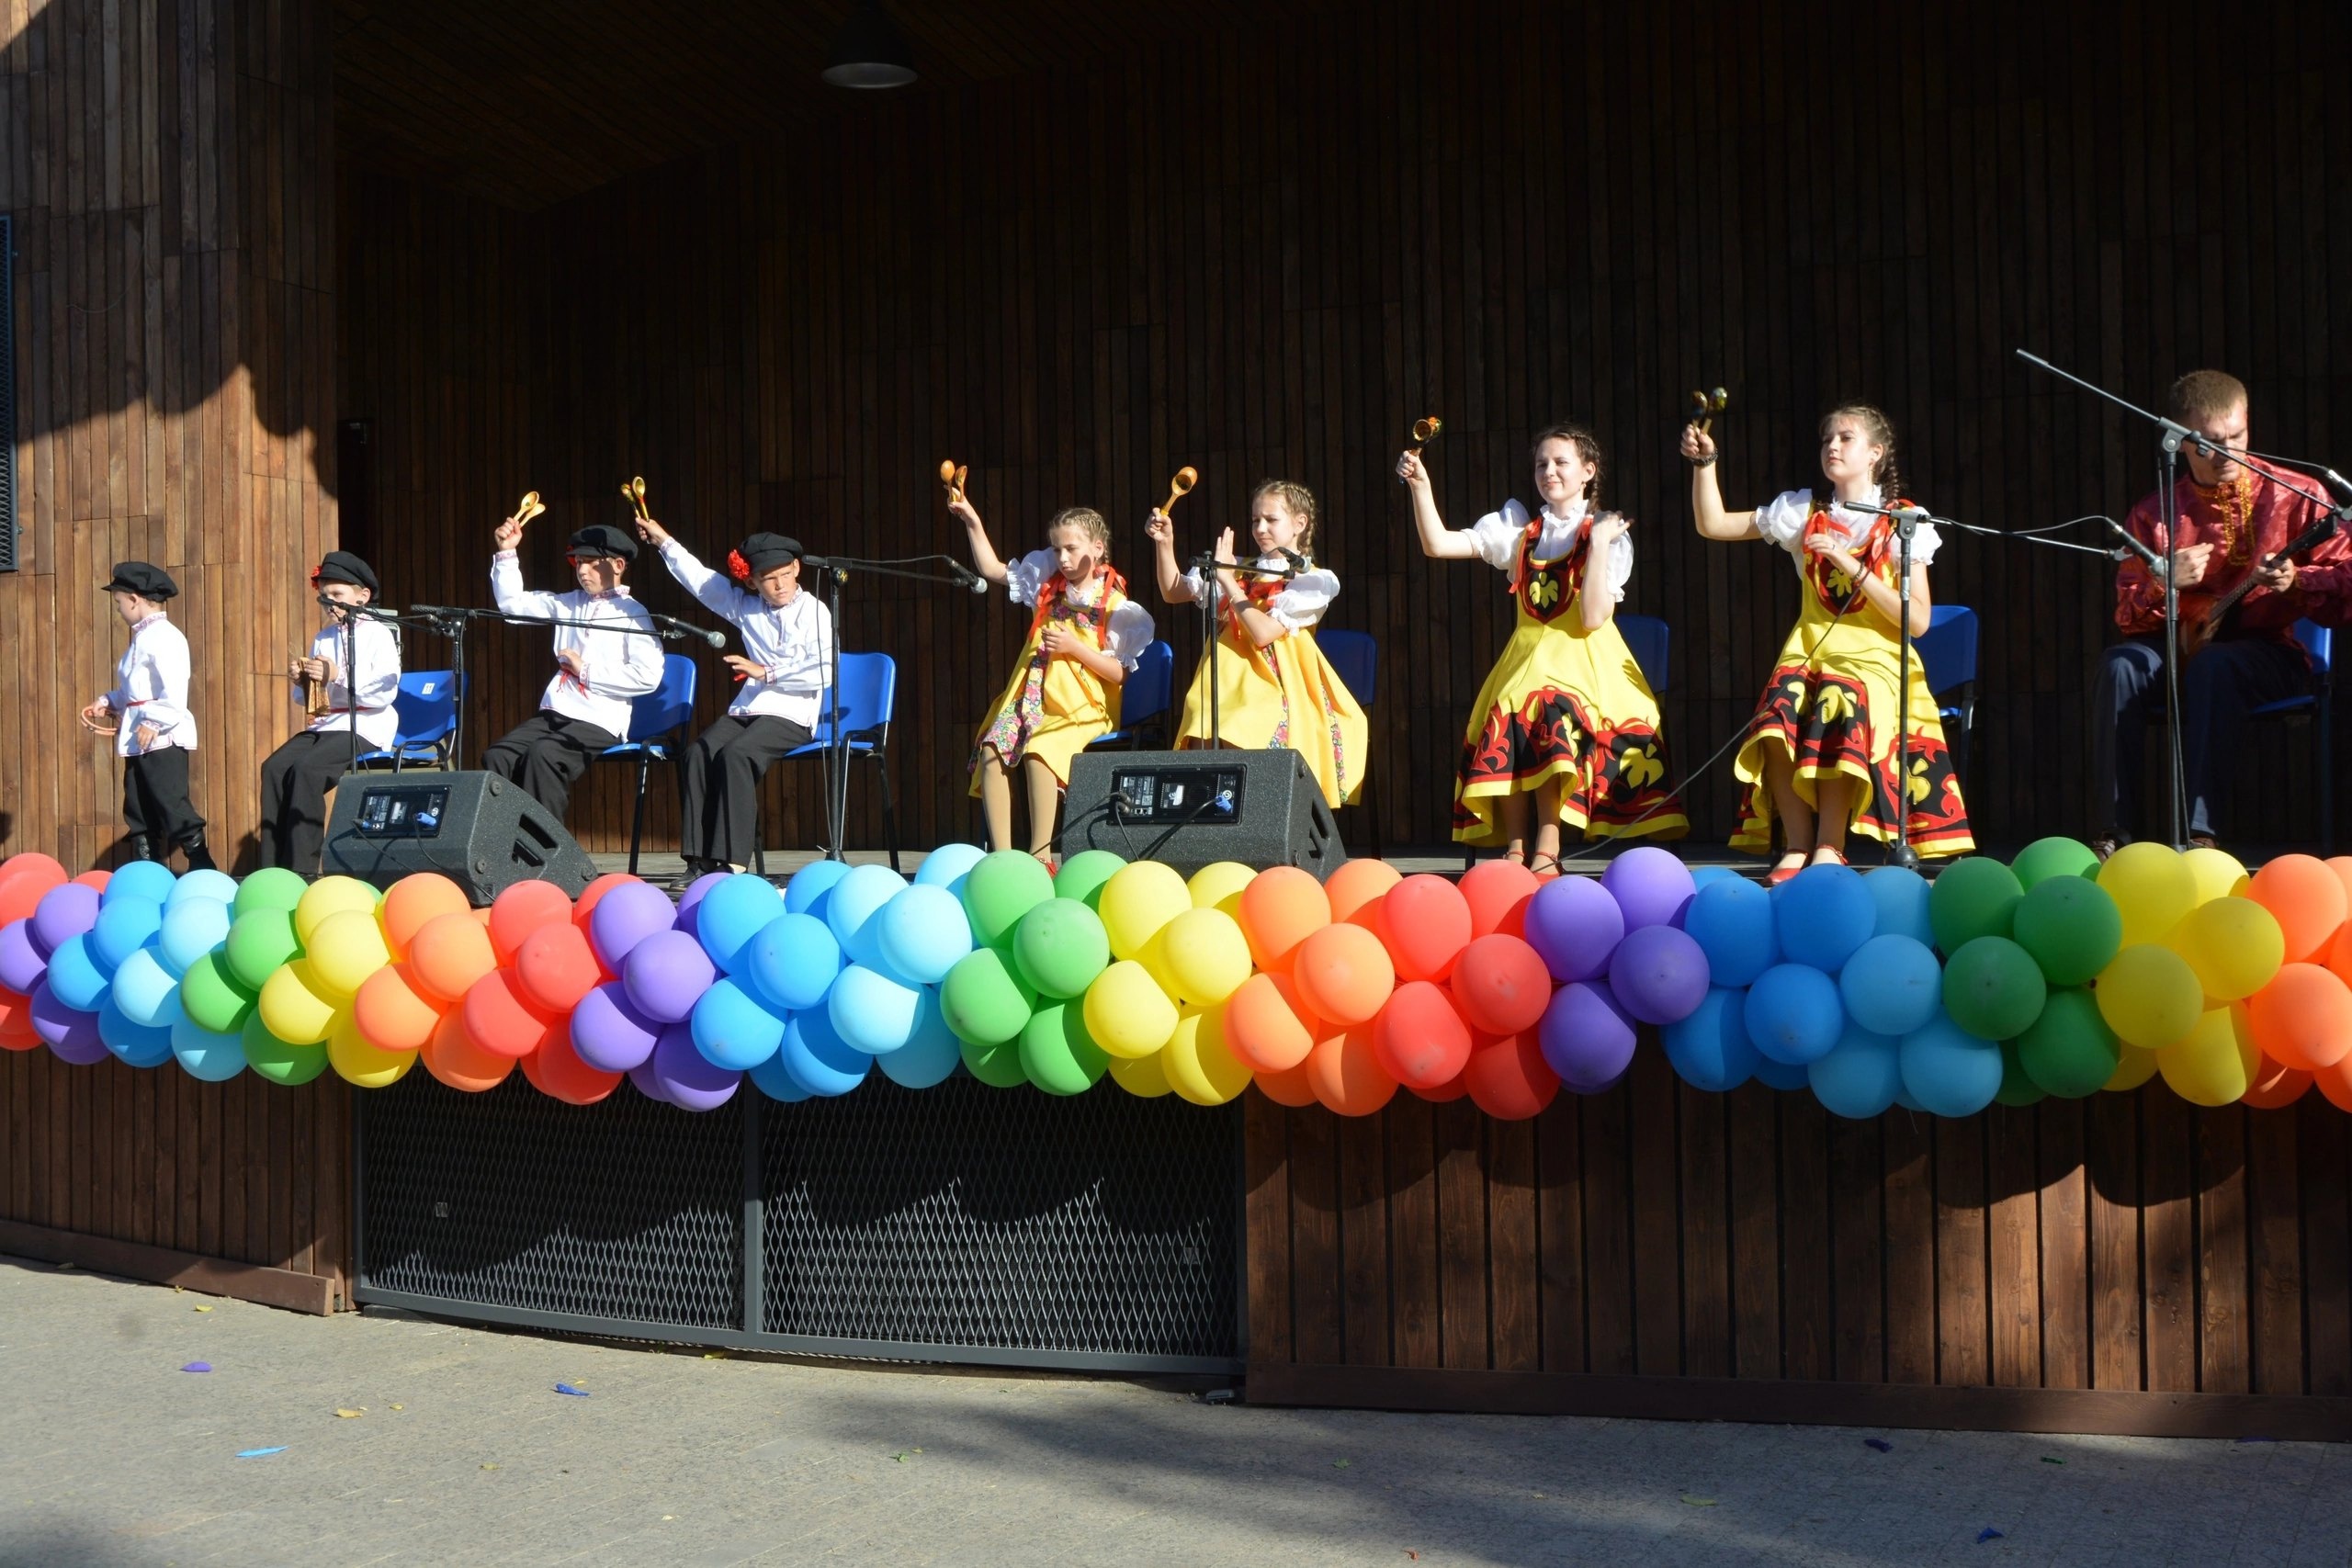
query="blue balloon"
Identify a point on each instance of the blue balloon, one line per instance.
(1710, 1050)
(852, 909)
(204, 1055)
(819, 1058)
(811, 887)
(1783, 1075)
(732, 1030)
(192, 928)
(1860, 1076)
(1891, 985)
(216, 885)
(148, 879)
(732, 913)
(872, 1010)
(1948, 1070)
(793, 962)
(1824, 913)
(931, 1055)
(1705, 875)
(138, 1046)
(949, 865)
(125, 925)
(774, 1078)
(1793, 1013)
(74, 978)
(142, 988)
(1900, 895)
(1731, 919)
(921, 932)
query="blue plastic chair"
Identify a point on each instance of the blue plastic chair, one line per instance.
(2318, 705)
(1646, 636)
(1144, 701)
(1354, 657)
(1948, 655)
(424, 718)
(869, 687)
(656, 722)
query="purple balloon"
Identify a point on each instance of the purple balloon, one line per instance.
(690, 901)
(21, 963)
(72, 1035)
(686, 1076)
(647, 1083)
(1574, 925)
(1650, 884)
(666, 973)
(624, 917)
(66, 910)
(1588, 1037)
(608, 1032)
(1659, 975)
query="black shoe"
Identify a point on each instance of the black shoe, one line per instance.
(199, 857)
(143, 847)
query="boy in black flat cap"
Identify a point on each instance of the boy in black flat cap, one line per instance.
(297, 776)
(786, 659)
(586, 706)
(147, 710)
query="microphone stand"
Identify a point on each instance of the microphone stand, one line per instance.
(1208, 566)
(449, 620)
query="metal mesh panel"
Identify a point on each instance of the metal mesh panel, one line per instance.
(1099, 1224)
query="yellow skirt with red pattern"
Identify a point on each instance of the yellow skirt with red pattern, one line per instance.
(1572, 704)
(1835, 710)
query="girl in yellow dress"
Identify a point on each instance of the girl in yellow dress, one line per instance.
(1565, 715)
(1821, 754)
(1274, 685)
(1085, 637)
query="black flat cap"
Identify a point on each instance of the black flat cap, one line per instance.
(342, 566)
(603, 539)
(763, 553)
(147, 581)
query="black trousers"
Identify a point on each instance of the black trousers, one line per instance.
(294, 784)
(155, 806)
(2218, 688)
(545, 754)
(722, 823)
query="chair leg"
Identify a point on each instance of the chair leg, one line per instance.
(889, 806)
(637, 818)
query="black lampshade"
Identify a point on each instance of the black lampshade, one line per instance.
(868, 52)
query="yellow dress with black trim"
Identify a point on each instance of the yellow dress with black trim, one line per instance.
(1565, 701)
(1054, 708)
(1832, 701)
(1285, 694)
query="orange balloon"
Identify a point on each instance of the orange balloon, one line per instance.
(412, 901)
(457, 1060)
(2308, 899)
(2335, 1084)
(2304, 1018)
(1346, 1074)
(1345, 974)
(555, 967)
(522, 909)
(1282, 907)
(1269, 1026)
(2339, 956)
(1498, 892)
(593, 894)
(16, 1031)
(1356, 884)
(2275, 1086)
(392, 1013)
(97, 879)
(1422, 1039)
(448, 954)
(1425, 924)
(1508, 1080)
(498, 1019)
(556, 1070)
(1293, 1089)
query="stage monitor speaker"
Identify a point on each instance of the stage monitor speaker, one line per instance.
(481, 831)
(1193, 808)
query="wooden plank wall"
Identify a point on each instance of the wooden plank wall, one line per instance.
(1267, 252)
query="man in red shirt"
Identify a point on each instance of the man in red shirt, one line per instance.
(2234, 523)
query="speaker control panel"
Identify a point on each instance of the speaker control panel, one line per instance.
(401, 811)
(1168, 796)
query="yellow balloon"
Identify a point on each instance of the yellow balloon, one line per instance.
(327, 897)
(347, 947)
(295, 1007)
(2235, 946)
(2216, 1065)
(1204, 956)
(1200, 1067)
(1219, 886)
(2215, 873)
(1145, 1077)
(2150, 995)
(1127, 1013)
(357, 1062)
(2152, 886)
(1137, 901)
(2133, 1068)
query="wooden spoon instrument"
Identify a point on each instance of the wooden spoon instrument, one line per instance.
(951, 479)
(1179, 488)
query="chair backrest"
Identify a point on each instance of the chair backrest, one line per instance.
(869, 696)
(2319, 643)
(1947, 653)
(426, 708)
(1355, 657)
(670, 706)
(1151, 686)
(1646, 635)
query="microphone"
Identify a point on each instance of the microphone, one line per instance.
(687, 628)
(822, 563)
(2132, 545)
(458, 610)
(967, 576)
(367, 612)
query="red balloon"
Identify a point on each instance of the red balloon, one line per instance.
(1425, 924)
(97, 879)
(1446, 1093)
(556, 967)
(23, 879)
(1501, 985)
(1420, 1040)
(1346, 1074)
(499, 1019)
(593, 894)
(522, 909)
(1508, 1078)
(16, 1031)
(1293, 1089)
(457, 1060)
(556, 1070)
(1498, 892)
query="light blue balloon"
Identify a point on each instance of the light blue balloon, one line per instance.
(1948, 1070)
(204, 1055)
(192, 928)
(732, 1030)
(125, 925)
(142, 987)
(138, 1046)
(74, 978)
(854, 904)
(812, 886)
(931, 1055)
(1891, 985)
(819, 1058)
(1793, 1014)
(1858, 1079)
(1900, 895)
(215, 884)
(793, 962)
(1824, 913)
(1786, 1077)
(732, 913)
(148, 879)
(1732, 921)
(949, 865)
(774, 1078)
(921, 932)
(872, 1011)
(1710, 1050)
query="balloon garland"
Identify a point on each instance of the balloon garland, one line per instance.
(2053, 975)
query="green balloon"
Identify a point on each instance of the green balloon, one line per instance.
(1993, 988)
(1060, 947)
(2072, 928)
(212, 1000)
(2018, 1087)
(272, 887)
(2070, 1051)
(997, 1066)
(1972, 899)
(276, 1060)
(1001, 889)
(2045, 858)
(260, 943)
(1083, 876)
(1057, 1053)
(984, 1001)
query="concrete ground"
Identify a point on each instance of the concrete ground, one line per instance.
(406, 1441)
